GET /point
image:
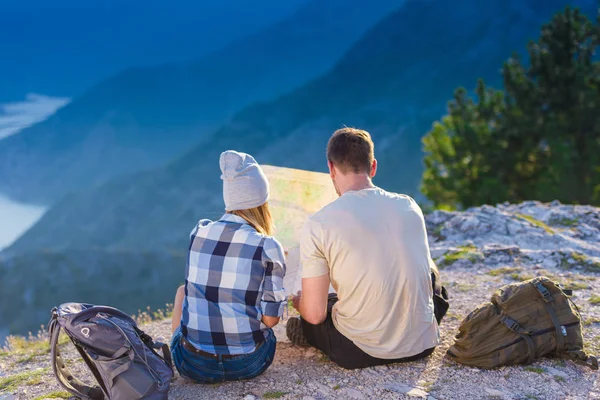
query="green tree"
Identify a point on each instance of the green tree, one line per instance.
(537, 139)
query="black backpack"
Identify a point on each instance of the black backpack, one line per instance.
(121, 357)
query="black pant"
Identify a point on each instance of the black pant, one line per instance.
(342, 350)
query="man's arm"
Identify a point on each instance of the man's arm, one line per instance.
(312, 304)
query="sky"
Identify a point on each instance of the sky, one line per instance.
(62, 48)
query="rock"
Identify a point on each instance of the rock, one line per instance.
(410, 391)
(498, 393)
(369, 373)
(498, 254)
(250, 397)
(419, 393)
(308, 398)
(439, 217)
(8, 397)
(354, 394)
(556, 372)
(311, 352)
(319, 387)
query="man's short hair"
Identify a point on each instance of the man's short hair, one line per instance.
(351, 150)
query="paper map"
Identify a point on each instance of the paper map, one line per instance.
(295, 195)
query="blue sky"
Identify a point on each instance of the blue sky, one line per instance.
(61, 48)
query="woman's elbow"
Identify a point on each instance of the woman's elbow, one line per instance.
(270, 321)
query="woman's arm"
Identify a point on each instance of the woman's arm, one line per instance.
(270, 321)
(273, 298)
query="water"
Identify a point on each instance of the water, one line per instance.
(15, 219)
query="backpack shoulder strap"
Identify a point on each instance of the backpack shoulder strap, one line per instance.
(64, 375)
(165, 351)
(548, 304)
(155, 346)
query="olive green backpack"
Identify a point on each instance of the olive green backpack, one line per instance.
(524, 321)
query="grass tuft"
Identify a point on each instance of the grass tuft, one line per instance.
(595, 299)
(535, 222)
(28, 378)
(468, 252)
(563, 221)
(274, 395)
(147, 316)
(464, 287)
(54, 395)
(437, 233)
(27, 349)
(537, 370)
(520, 277)
(504, 271)
(576, 285)
(582, 261)
(336, 387)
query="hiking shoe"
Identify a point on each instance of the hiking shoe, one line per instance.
(294, 333)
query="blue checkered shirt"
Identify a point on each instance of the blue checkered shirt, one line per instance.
(234, 276)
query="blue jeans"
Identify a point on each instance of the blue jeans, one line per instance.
(204, 369)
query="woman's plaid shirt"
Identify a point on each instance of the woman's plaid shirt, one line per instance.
(234, 276)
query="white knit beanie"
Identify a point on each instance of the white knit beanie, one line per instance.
(245, 185)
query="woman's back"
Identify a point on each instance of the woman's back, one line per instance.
(234, 277)
(233, 293)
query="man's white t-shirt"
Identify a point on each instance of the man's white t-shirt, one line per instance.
(373, 244)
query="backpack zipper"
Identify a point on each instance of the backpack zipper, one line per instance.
(537, 333)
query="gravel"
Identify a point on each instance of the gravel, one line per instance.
(501, 237)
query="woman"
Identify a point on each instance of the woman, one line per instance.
(233, 293)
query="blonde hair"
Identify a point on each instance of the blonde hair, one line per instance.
(259, 218)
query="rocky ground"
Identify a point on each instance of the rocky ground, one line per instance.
(477, 251)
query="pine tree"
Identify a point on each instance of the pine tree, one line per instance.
(537, 139)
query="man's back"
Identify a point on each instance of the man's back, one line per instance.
(374, 244)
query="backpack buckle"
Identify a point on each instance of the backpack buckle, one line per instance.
(544, 292)
(510, 323)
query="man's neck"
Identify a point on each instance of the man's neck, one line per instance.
(354, 182)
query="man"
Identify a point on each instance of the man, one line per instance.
(371, 246)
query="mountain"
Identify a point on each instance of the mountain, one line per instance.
(144, 117)
(43, 279)
(62, 48)
(394, 81)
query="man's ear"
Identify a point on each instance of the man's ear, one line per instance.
(373, 168)
(332, 171)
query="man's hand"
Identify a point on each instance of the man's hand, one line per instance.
(296, 300)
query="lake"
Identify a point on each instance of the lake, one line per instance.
(15, 219)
